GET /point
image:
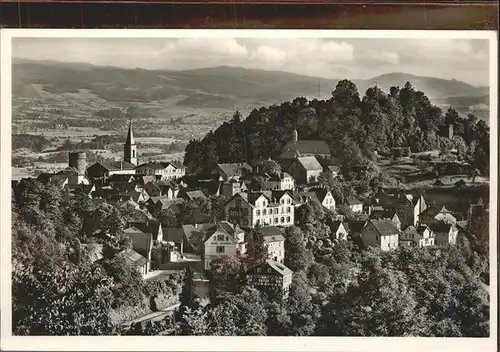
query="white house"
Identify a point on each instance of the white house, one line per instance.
(437, 214)
(223, 239)
(339, 232)
(280, 182)
(420, 236)
(274, 242)
(380, 233)
(355, 204)
(305, 170)
(267, 208)
(444, 233)
(164, 170)
(325, 197)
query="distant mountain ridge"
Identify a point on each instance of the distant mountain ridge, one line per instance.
(224, 87)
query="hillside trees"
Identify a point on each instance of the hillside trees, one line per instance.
(297, 257)
(354, 127)
(65, 300)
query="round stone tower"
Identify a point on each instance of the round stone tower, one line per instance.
(78, 161)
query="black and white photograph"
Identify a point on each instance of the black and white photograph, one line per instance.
(295, 184)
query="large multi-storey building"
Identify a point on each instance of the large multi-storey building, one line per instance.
(267, 208)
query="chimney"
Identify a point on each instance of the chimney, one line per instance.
(121, 165)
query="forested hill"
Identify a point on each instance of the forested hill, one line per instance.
(217, 87)
(354, 126)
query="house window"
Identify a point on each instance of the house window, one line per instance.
(282, 201)
(220, 249)
(220, 237)
(238, 203)
(258, 212)
(282, 219)
(276, 220)
(287, 209)
(287, 219)
(376, 237)
(264, 211)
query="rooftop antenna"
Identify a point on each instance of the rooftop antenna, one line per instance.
(319, 89)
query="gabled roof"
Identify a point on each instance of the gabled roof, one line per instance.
(233, 169)
(83, 189)
(173, 234)
(121, 178)
(333, 168)
(336, 225)
(197, 194)
(141, 242)
(303, 197)
(276, 238)
(321, 193)
(441, 227)
(277, 267)
(417, 232)
(165, 203)
(309, 163)
(152, 227)
(190, 230)
(354, 225)
(220, 228)
(115, 165)
(160, 165)
(384, 227)
(133, 257)
(310, 147)
(382, 214)
(353, 201)
(275, 177)
(55, 179)
(134, 195)
(271, 234)
(433, 210)
(147, 178)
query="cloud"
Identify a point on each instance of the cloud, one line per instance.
(388, 57)
(221, 46)
(323, 57)
(270, 54)
(334, 51)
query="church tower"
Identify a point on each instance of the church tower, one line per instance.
(130, 148)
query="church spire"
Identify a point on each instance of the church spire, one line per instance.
(130, 135)
(130, 148)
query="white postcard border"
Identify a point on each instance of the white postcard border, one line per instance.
(194, 343)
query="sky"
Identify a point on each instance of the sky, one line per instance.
(462, 59)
